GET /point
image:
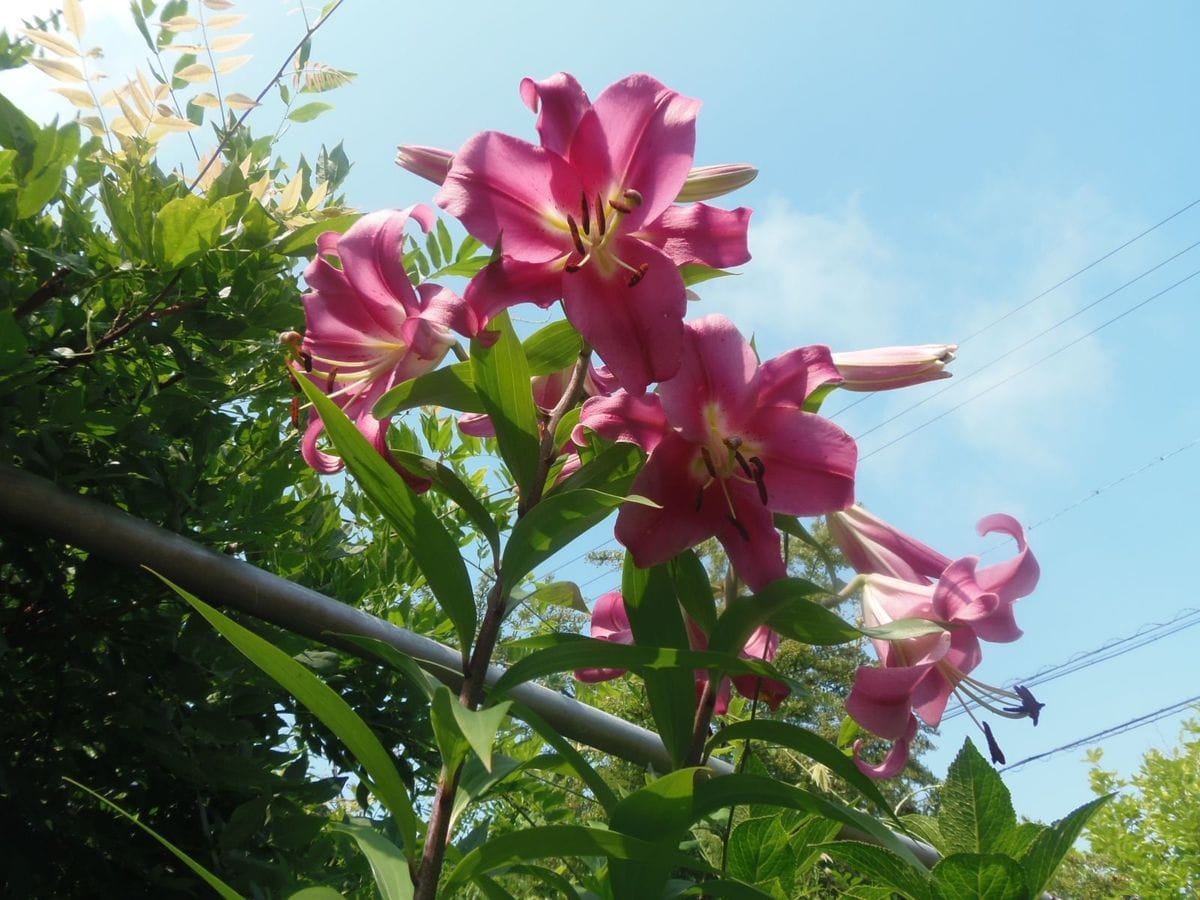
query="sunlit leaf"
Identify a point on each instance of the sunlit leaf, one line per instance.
(232, 64)
(388, 865)
(195, 72)
(73, 16)
(79, 98)
(51, 41)
(181, 23)
(216, 23)
(309, 111)
(227, 42)
(57, 69)
(206, 100)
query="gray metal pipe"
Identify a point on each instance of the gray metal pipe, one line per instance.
(34, 503)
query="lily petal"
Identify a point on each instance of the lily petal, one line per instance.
(788, 379)
(699, 233)
(507, 281)
(893, 764)
(624, 417)
(1016, 577)
(809, 461)
(560, 102)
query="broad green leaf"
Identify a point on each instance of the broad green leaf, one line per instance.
(790, 525)
(309, 111)
(736, 790)
(759, 851)
(1049, 847)
(490, 889)
(479, 727)
(502, 380)
(406, 665)
(924, 828)
(549, 526)
(12, 340)
(572, 757)
(803, 620)
(303, 241)
(476, 781)
(880, 865)
(318, 892)
(445, 480)
(565, 840)
(549, 878)
(807, 743)
(432, 547)
(209, 878)
(976, 811)
(980, 876)
(563, 594)
(1017, 841)
(552, 348)
(611, 471)
(451, 742)
(324, 703)
(450, 386)
(657, 621)
(697, 273)
(388, 865)
(694, 590)
(660, 812)
(185, 228)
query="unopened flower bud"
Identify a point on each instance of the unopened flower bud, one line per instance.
(887, 368)
(707, 182)
(431, 163)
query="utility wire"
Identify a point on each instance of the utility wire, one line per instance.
(1032, 365)
(1130, 725)
(956, 381)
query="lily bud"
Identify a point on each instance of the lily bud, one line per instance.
(707, 182)
(887, 368)
(431, 163)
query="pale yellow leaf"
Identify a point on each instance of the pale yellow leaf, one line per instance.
(149, 91)
(227, 42)
(232, 63)
(239, 101)
(290, 195)
(210, 173)
(184, 48)
(73, 15)
(245, 166)
(207, 100)
(181, 23)
(51, 42)
(164, 110)
(133, 91)
(195, 72)
(298, 220)
(218, 4)
(58, 70)
(318, 195)
(136, 119)
(216, 23)
(259, 188)
(82, 99)
(92, 124)
(122, 126)
(95, 53)
(174, 123)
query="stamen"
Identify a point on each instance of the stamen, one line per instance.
(575, 235)
(700, 496)
(993, 747)
(1029, 704)
(741, 529)
(760, 470)
(733, 443)
(587, 214)
(708, 462)
(331, 380)
(634, 198)
(620, 207)
(306, 359)
(296, 413)
(639, 274)
(292, 379)
(600, 221)
(571, 268)
(741, 460)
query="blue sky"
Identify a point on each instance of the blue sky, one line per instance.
(925, 169)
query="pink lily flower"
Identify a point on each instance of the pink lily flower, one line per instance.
(922, 673)
(430, 163)
(729, 446)
(367, 329)
(610, 622)
(888, 368)
(588, 217)
(763, 644)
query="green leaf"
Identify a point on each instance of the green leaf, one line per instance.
(880, 865)
(318, 892)
(324, 703)
(388, 865)
(697, 273)
(552, 348)
(433, 549)
(611, 471)
(445, 480)
(1048, 848)
(565, 840)
(209, 878)
(185, 228)
(303, 241)
(660, 812)
(657, 621)
(309, 111)
(450, 386)
(479, 727)
(405, 665)
(803, 620)
(588, 775)
(502, 380)
(759, 851)
(563, 594)
(694, 590)
(807, 743)
(976, 811)
(451, 742)
(445, 242)
(12, 340)
(903, 629)
(790, 525)
(981, 876)
(549, 526)
(923, 828)
(477, 781)
(736, 790)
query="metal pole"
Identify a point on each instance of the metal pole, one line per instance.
(34, 503)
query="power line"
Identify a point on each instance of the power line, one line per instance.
(1115, 730)
(1032, 365)
(955, 382)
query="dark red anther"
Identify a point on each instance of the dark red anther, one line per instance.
(760, 470)
(741, 461)
(331, 381)
(296, 413)
(571, 268)
(708, 462)
(993, 747)
(575, 235)
(699, 497)
(600, 223)
(620, 207)
(741, 529)
(639, 274)
(306, 359)
(295, 383)
(587, 215)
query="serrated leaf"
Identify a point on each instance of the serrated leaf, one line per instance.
(51, 42)
(309, 111)
(387, 862)
(880, 865)
(58, 70)
(227, 42)
(73, 16)
(759, 851)
(232, 64)
(980, 876)
(976, 810)
(1048, 848)
(184, 228)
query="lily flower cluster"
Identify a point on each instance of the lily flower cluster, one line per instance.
(602, 214)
